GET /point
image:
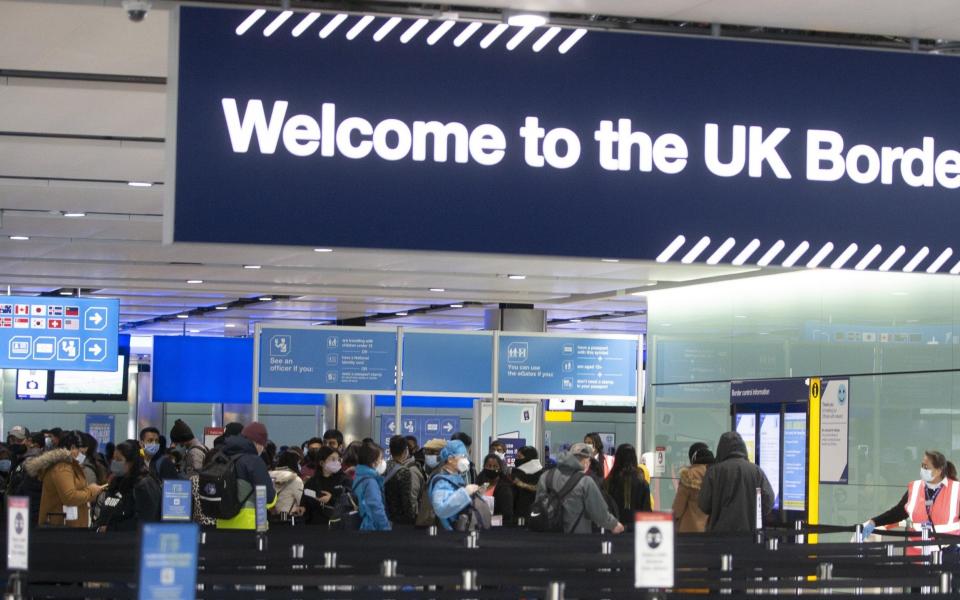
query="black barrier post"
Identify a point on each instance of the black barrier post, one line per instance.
(473, 540)
(606, 547)
(432, 531)
(858, 533)
(825, 573)
(14, 587)
(773, 544)
(946, 582)
(798, 528)
(330, 560)
(469, 581)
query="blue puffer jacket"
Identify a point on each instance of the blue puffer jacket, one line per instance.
(368, 487)
(449, 497)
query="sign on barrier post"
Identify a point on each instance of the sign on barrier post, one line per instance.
(18, 533)
(261, 508)
(177, 500)
(653, 550)
(168, 561)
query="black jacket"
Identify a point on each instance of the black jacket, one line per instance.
(250, 468)
(728, 494)
(502, 496)
(336, 484)
(525, 480)
(630, 494)
(127, 504)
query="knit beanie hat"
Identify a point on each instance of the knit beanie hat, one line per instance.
(181, 432)
(256, 432)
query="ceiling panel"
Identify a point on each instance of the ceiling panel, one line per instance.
(88, 197)
(81, 159)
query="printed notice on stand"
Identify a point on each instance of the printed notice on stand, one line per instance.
(834, 430)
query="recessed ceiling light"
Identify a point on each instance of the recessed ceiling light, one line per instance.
(140, 184)
(74, 215)
(576, 320)
(323, 249)
(265, 298)
(516, 277)
(193, 331)
(229, 325)
(19, 238)
(437, 290)
(401, 313)
(194, 281)
(739, 316)
(182, 316)
(610, 260)
(252, 267)
(221, 307)
(525, 19)
(66, 293)
(320, 323)
(456, 306)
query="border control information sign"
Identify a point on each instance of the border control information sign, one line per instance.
(327, 360)
(168, 561)
(834, 431)
(18, 533)
(76, 334)
(177, 500)
(281, 134)
(653, 550)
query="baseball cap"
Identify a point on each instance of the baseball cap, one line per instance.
(19, 432)
(581, 450)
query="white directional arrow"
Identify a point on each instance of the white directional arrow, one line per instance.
(96, 318)
(448, 427)
(96, 349)
(392, 426)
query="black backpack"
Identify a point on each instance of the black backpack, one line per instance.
(344, 515)
(217, 486)
(546, 512)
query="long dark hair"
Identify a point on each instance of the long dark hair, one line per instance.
(939, 461)
(594, 438)
(626, 468)
(130, 451)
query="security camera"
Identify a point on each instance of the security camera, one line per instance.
(136, 9)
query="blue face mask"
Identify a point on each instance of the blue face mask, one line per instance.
(152, 449)
(5, 466)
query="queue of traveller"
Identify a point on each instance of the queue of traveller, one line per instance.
(324, 482)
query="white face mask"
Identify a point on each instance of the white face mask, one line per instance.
(381, 467)
(81, 457)
(332, 467)
(431, 460)
(592, 449)
(501, 455)
(463, 465)
(926, 475)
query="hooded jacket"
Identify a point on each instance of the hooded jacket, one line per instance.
(64, 485)
(251, 472)
(728, 492)
(525, 480)
(368, 486)
(686, 508)
(289, 488)
(585, 505)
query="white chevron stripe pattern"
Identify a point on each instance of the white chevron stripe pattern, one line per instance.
(680, 249)
(541, 37)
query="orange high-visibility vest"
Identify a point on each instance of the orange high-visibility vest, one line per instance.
(944, 513)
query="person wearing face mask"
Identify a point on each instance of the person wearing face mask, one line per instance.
(66, 495)
(495, 483)
(94, 468)
(931, 501)
(431, 467)
(308, 466)
(289, 486)
(368, 487)
(402, 483)
(526, 475)
(449, 493)
(251, 471)
(323, 489)
(500, 449)
(150, 442)
(133, 495)
(6, 464)
(601, 464)
(584, 506)
(21, 483)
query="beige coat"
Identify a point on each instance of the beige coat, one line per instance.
(686, 513)
(64, 484)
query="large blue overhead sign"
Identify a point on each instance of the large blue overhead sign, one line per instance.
(541, 366)
(432, 131)
(58, 333)
(327, 360)
(447, 364)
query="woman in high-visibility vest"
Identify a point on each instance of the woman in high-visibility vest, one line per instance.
(932, 501)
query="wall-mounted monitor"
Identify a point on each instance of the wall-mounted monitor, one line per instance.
(31, 384)
(92, 385)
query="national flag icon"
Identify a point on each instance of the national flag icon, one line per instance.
(6, 309)
(55, 311)
(71, 311)
(39, 310)
(21, 309)
(38, 323)
(6, 322)
(73, 324)
(54, 323)
(21, 323)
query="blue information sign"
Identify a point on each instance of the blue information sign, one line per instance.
(424, 427)
(168, 561)
(320, 138)
(794, 461)
(75, 334)
(328, 359)
(102, 428)
(447, 363)
(556, 367)
(177, 500)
